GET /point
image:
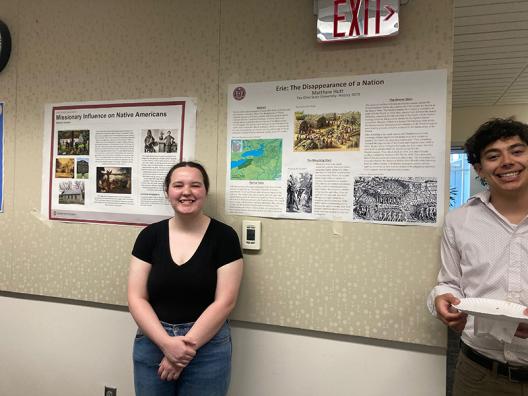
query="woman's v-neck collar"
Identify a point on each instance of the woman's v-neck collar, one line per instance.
(197, 248)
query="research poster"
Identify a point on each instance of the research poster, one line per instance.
(105, 162)
(368, 148)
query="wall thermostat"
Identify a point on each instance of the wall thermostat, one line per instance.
(251, 234)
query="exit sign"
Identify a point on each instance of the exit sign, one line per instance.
(357, 19)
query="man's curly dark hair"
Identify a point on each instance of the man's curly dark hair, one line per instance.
(489, 132)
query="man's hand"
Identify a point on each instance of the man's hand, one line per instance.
(448, 314)
(522, 329)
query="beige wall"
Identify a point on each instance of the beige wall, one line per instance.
(466, 120)
(366, 280)
(98, 50)
(369, 281)
(358, 279)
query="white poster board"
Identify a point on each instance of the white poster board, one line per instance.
(104, 162)
(365, 148)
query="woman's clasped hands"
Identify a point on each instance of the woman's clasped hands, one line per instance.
(178, 351)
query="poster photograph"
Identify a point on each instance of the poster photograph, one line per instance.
(104, 162)
(367, 148)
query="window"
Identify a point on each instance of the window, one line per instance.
(463, 180)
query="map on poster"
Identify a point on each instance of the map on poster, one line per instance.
(256, 159)
(367, 148)
(104, 162)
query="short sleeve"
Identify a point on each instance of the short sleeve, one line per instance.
(145, 243)
(228, 246)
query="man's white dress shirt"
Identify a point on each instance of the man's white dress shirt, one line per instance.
(484, 255)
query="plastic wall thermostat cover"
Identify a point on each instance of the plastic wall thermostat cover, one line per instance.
(5, 45)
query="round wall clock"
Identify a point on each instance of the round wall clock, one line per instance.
(5, 45)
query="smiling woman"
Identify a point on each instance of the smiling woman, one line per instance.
(184, 279)
(186, 188)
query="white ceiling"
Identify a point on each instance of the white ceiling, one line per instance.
(491, 52)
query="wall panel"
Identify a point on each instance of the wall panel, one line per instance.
(359, 279)
(101, 50)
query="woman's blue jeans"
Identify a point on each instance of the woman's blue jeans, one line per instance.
(208, 374)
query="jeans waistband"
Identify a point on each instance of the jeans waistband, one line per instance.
(177, 328)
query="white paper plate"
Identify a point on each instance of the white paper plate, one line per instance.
(495, 309)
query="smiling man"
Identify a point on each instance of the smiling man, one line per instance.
(484, 254)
